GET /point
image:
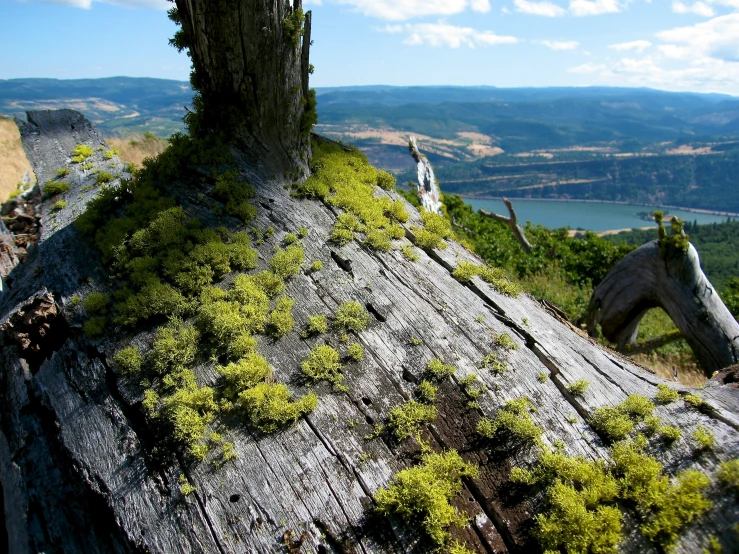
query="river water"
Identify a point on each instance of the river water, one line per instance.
(592, 216)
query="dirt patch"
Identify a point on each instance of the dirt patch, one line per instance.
(687, 149)
(483, 150)
(477, 138)
(13, 161)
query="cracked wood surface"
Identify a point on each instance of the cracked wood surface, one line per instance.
(78, 466)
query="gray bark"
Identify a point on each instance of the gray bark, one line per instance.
(512, 222)
(77, 464)
(250, 75)
(673, 280)
(429, 193)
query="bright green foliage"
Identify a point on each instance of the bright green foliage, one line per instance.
(323, 363)
(80, 153)
(94, 327)
(110, 153)
(424, 492)
(150, 402)
(235, 194)
(505, 342)
(611, 422)
(189, 409)
(435, 229)
(677, 240)
(665, 394)
(728, 474)
(153, 299)
(356, 352)
(59, 205)
(578, 388)
(409, 253)
(290, 239)
(281, 320)
(351, 316)
(103, 178)
(286, 263)
(493, 364)
(385, 180)
(316, 266)
(637, 407)
(427, 391)
(714, 546)
(96, 303)
(512, 425)
(292, 26)
(63, 172)
(438, 370)
(228, 451)
(53, 188)
(175, 347)
(303, 232)
(128, 360)
(269, 283)
(669, 433)
(406, 420)
(185, 487)
(542, 376)
(317, 325)
(249, 371)
(495, 277)
(346, 180)
(270, 406)
(694, 400)
(704, 437)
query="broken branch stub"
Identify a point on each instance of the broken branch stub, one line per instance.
(429, 193)
(512, 222)
(669, 278)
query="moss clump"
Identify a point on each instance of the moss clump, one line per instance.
(96, 303)
(287, 263)
(322, 364)
(409, 253)
(317, 325)
(289, 239)
(292, 27)
(63, 172)
(493, 364)
(94, 327)
(81, 152)
(438, 370)
(189, 410)
(110, 153)
(270, 406)
(351, 316)
(281, 320)
(495, 277)
(235, 194)
(653, 426)
(316, 266)
(505, 342)
(616, 422)
(128, 360)
(385, 180)
(676, 241)
(728, 474)
(512, 425)
(185, 487)
(355, 351)
(665, 394)
(249, 371)
(406, 420)
(424, 492)
(59, 205)
(578, 387)
(637, 407)
(694, 400)
(53, 188)
(704, 437)
(303, 232)
(103, 178)
(427, 391)
(435, 229)
(542, 377)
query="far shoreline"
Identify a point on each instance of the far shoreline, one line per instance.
(585, 201)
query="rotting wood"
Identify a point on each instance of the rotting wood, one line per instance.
(512, 222)
(429, 193)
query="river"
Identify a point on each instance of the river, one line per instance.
(592, 216)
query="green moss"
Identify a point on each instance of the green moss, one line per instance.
(235, 194)
(665, 394)
(94, 327)
(435, 229)
(317, 325)
(385, 180)
(303, 232)
(378, 239)
(103, 178)
(289, 239)
(542, 376)
(424, 493)
(185, 487)
(728, 474)
(409, 253)
(611, 422)
(270, 406)
(493, 364)
(351, 316)
(81, 152)
(292, 27)
(513, 425)
(704, 437)
(53, 188)
(175, 347)
(637, 407)
(427, 391)
(406, 420)
(110, 153)
(128, 360)
(438, 370)
(694, 400)
(59, 205)
(239, 376)
(281, 320)
(355, 351)
(578, 388)
(322, 364)
(189, 410)
(669, 433)
(495, 277)
(316, 266)
(505, 342)
(228, 451)
(96, 303)
(63, 172)
(287, 263)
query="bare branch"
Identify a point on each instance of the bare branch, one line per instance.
(512, 222)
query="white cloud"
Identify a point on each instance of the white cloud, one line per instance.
(697, 8)
(560, 44)
(482, 6)
(452, 36)
(87, 4)
(716, 38)
(635, 45)
(399, 10)
(594, 7)
(544, 8)
(587, 68)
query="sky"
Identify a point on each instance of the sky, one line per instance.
(681, 45)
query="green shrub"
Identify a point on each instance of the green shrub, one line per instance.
(128, 360)
(53, 188)
(96, 303)
(424, 493)
(385, 180)
(249, 371)
(356, 352)
(287, 263)
(665, 394)
(94, 327)
(406, 420)
(270, 406)
(323, 363)
(103, 178)
(438, 370)
(351, 316)
(281, 320)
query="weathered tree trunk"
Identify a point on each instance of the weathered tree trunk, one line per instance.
(251, 66)
(512, 222)
(428, 189)
(670, 278)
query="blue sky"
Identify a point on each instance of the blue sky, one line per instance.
(667, 44)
